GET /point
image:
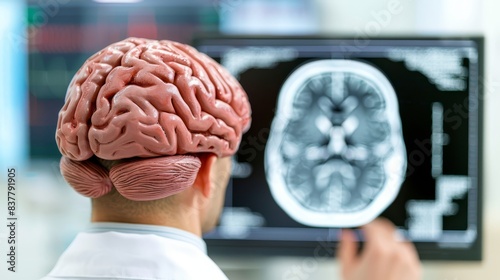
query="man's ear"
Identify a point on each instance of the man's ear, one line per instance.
(202, 181)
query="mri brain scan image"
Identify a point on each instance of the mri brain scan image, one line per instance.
(335, 156)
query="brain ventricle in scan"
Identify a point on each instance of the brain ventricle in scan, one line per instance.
(335, 156)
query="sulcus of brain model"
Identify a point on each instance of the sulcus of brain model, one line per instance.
(153, 106)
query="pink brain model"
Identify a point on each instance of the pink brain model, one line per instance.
(145, 98)
(142, 98)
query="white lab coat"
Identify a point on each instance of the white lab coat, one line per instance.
(122, 251)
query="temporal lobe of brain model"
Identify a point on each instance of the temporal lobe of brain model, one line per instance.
(335, 156)
(145, 98)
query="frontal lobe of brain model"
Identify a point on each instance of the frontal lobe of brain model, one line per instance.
(336, 156)
(142, 98)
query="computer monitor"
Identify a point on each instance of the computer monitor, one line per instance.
(348, 129)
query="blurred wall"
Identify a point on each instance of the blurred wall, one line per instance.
(13, 85)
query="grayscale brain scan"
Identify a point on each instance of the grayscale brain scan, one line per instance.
(344, 132)
(335, 155)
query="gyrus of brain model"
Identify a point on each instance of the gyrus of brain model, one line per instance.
(336, 155)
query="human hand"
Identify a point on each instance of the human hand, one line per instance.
(384, 257)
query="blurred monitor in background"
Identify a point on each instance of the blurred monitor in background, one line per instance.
(63, 36)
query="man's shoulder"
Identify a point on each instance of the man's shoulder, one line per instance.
(133, 257)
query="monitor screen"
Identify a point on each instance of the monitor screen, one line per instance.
(348, 129)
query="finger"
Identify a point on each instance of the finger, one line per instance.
(348, 250)
(406, 263)
(411, 251)
(379, 231)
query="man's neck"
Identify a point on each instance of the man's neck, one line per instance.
(187, 221)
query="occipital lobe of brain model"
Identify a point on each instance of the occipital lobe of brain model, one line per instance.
(147, 98)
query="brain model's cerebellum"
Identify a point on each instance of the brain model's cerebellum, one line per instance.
(336, 156)
(161, 101)
(145, 98)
